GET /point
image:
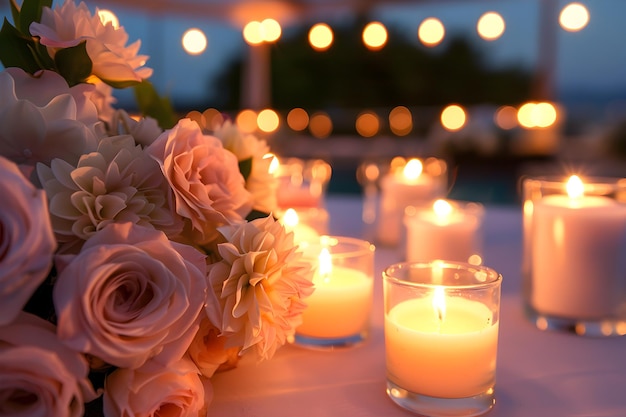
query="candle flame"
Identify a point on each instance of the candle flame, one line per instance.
(442, 208)
(290, 218)
(575, 187)
(413, 169)
(274, 164)
(325, 264)
(439, 303)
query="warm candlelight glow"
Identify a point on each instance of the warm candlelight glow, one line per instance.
(325, 264)
(490, 26)
(194, 42)
(274, 165)
(107, 16)
(453, 117)
(439, 303)
(290, 218)
(413, 169)
(575, 187)
(367, 124)
(375, 36)
(431, 31)
(268, 120)
(321, 37)
(574, 17)
(442, 209)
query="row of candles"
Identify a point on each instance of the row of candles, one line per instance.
(441, 304)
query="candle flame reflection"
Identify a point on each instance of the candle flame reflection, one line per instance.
(575, 187)
(325, 265)
(439, 303)
(290, 218)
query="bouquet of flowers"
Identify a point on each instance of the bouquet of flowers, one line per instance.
(138, 256)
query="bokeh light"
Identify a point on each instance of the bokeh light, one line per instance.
(247, 120)
(268, 120)
(252, 33)
(537, 115)
(431, 31)
(107, 16)
(270, 30)
(320, 125)
(375, 36)
(506, 117)
(400, 121)
(298, 119)
(194, 41)
(213, 118)
(321, 37)
(490, 26)
(574, 17)
(453, 117)
(367, 124)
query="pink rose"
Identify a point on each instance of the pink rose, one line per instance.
(130, 295)
(177, 390)
(208, 350)
(39, 375)
(209, 190)
(27, 242)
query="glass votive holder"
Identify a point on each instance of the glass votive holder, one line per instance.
(441, 336)
(307, 223)
(574, 261)
(302, 182)
(338, 312)
(408, 183)
(444, 229)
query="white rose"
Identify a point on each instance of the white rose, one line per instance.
(130, 295)
(42, 119)
(28, 242)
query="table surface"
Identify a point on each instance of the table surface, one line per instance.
(539, 373)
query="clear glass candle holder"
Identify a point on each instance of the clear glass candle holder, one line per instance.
(444, 229)
(574, 262)
(407, 183)
(338, 312)
(441, 336)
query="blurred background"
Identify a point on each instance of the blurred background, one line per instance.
(497, 89)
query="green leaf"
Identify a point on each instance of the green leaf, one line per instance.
(74, 64)
(31, 12)
(15, 12)
(16, 50)
(245, 167)
(120, 84)
(151, 104)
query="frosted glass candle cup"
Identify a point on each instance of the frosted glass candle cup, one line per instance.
(574, 262)
(338, 312)
(441, 336)
(444, 229)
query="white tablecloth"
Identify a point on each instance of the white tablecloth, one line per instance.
(538, 373)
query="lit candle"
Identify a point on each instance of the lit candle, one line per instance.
(402, 188)
(444, 230)
(301, 231)
(341, 303)
(441, 346)
(577, 254)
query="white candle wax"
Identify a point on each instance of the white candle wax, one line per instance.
(578, 247)
(453, 357)
(397, 192)
(451, 236)
(339, 306)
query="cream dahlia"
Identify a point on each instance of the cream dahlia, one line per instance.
(256, 291)
(118, 183)
(113, 61)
